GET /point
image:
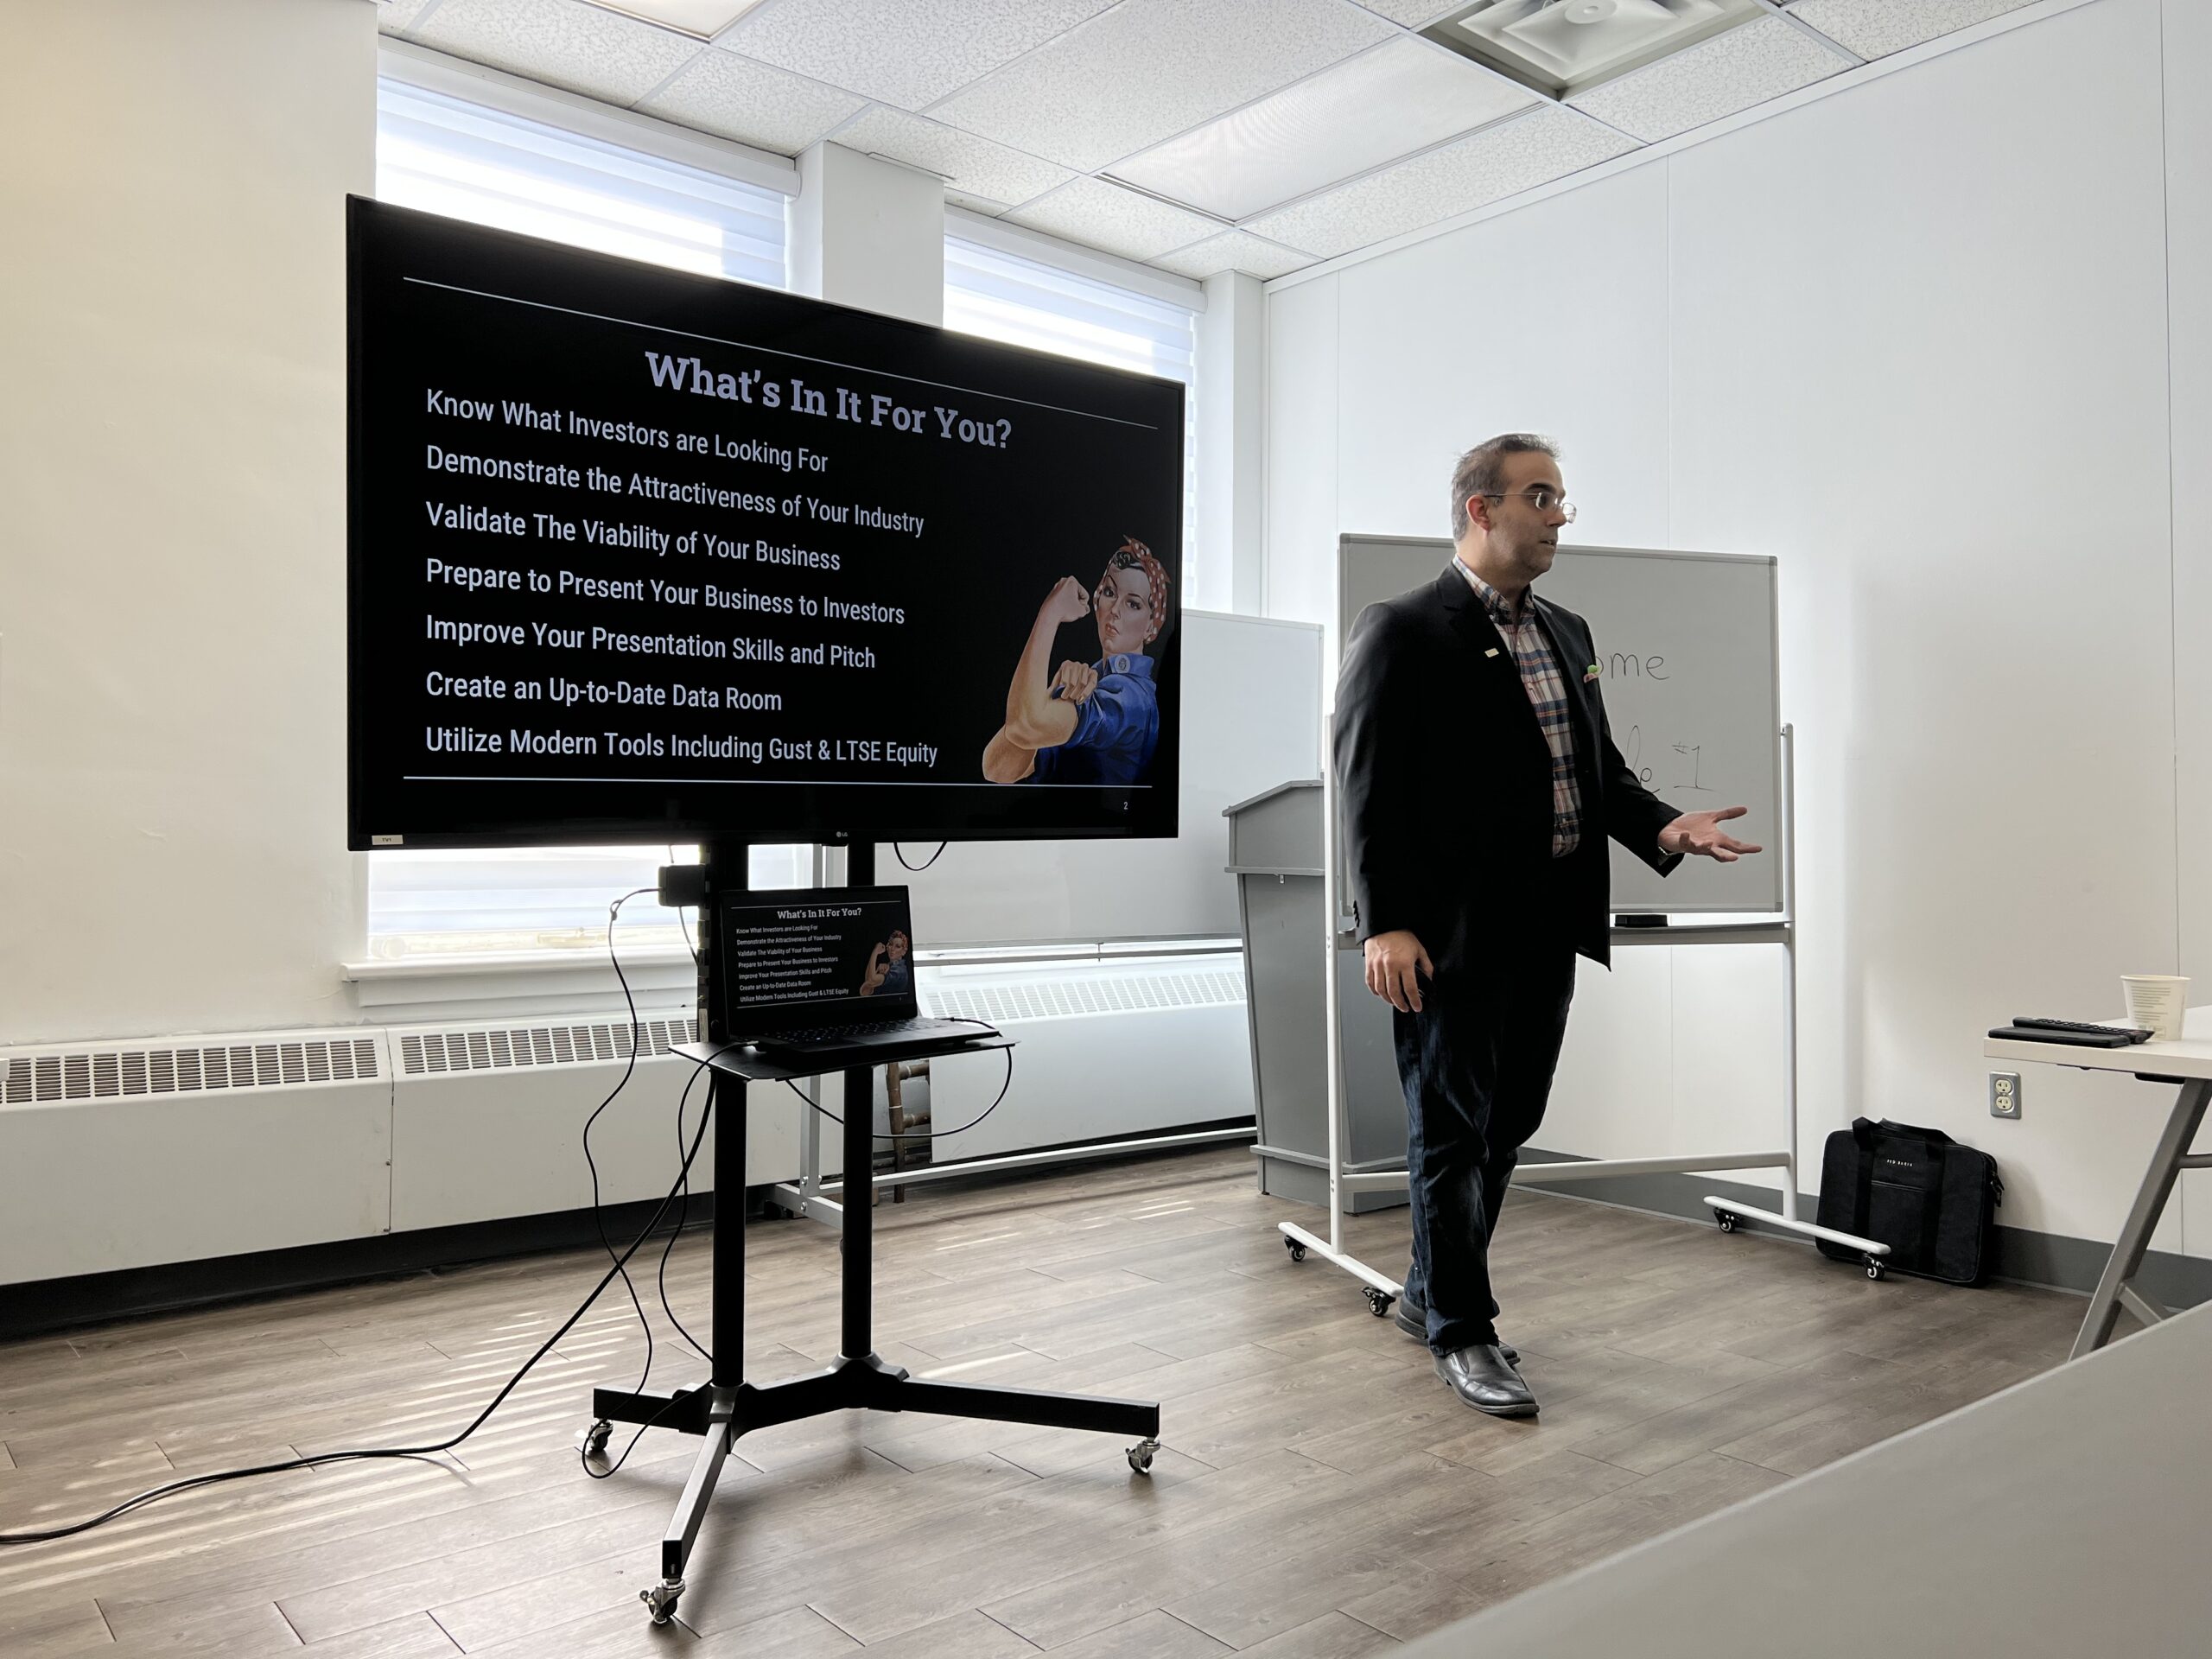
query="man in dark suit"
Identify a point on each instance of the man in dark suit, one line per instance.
(1477, 781)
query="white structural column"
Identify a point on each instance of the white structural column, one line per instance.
(1231, 392)
(869, 233)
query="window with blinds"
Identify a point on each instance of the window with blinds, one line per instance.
(1003, 297)
(466, 160)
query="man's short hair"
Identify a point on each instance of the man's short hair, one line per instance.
(1481, 471)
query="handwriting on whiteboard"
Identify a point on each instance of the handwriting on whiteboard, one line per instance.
(1622, 666)
(1685, 770)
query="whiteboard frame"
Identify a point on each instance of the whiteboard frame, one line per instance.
(1776, 901)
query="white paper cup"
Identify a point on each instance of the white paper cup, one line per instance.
(2156, 1002)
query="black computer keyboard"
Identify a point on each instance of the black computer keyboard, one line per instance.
(2133, 1034)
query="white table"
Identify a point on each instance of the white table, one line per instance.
(2186, 1061)
(2064, 1517)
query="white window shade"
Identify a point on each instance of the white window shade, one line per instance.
(434, 904)
(465, 161)
(446, 155)
(1023, 303)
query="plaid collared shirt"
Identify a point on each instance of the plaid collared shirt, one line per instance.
(1539, 677)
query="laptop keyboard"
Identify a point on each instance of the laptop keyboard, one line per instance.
(847, 1033)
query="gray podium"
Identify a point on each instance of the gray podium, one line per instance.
(1275, 843)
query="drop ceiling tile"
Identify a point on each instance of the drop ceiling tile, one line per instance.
(398, 17)
(1234, 251)
(1548, 142)
(701, 19)
(968, 164)
(1411, 13)
(907, 53)
(1874, 28)
(1730, 71)
(735, 97)
(1402, 96)
(1149, 68)
(560, 42)
(1121, 222)
(982, 205)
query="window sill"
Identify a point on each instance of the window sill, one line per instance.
(434, 989)
(410, 989)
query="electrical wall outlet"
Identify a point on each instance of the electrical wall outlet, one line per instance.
(2004, 1094)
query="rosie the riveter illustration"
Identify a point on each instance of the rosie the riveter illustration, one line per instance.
(1090, 723)
(889, 971)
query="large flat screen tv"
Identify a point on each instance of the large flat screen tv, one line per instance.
(639, 556)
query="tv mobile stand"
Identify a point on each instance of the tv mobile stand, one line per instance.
(727, 1406)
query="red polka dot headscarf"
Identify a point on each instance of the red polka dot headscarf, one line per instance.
(1134, 554)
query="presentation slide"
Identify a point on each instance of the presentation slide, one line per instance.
(638, 554)
(811, 946)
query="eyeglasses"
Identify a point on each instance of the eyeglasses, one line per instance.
(1541, 498)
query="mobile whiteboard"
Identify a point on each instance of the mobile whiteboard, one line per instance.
(1685, 647)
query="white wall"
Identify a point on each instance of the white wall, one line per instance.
(2189, 293)
(172, 461)
(1911, 339)
(172, 455)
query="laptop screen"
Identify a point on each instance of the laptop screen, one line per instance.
(808, 957)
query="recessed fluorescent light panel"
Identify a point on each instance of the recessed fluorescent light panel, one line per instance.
(1566, 47)
(701, 19)
(1381, 104)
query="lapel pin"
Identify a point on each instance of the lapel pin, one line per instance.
(1589, 673)
(1492, 651)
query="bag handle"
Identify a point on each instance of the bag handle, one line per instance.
(1910, 1132)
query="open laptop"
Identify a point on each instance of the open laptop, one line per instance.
(826, 973)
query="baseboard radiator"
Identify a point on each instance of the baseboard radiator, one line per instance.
(130, 1154)
(117, 1156)
(1106, 1050)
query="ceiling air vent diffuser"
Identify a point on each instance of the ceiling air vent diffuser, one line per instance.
(1566, 47)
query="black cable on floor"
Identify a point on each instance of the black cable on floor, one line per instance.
(369, 1452)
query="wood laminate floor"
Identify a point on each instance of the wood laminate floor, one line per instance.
(1321, 1495)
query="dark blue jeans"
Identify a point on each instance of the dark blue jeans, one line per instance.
(1476, 1063)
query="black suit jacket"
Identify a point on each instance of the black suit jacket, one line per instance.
(1444, 781)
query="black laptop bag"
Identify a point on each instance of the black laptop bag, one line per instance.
(1931, 1200)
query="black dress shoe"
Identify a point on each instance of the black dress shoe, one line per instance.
(1413, 1318)
(1480, 1376)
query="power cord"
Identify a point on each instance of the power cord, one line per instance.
(689, 943)
(684, 1216)
(918, 868)
(598, 1216)
(365, 1453)
(683, 1219)
(684, 1186)
(620, 1269)
(920, 1135)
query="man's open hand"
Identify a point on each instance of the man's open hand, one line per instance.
(1700, 833)
(1392, 959)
